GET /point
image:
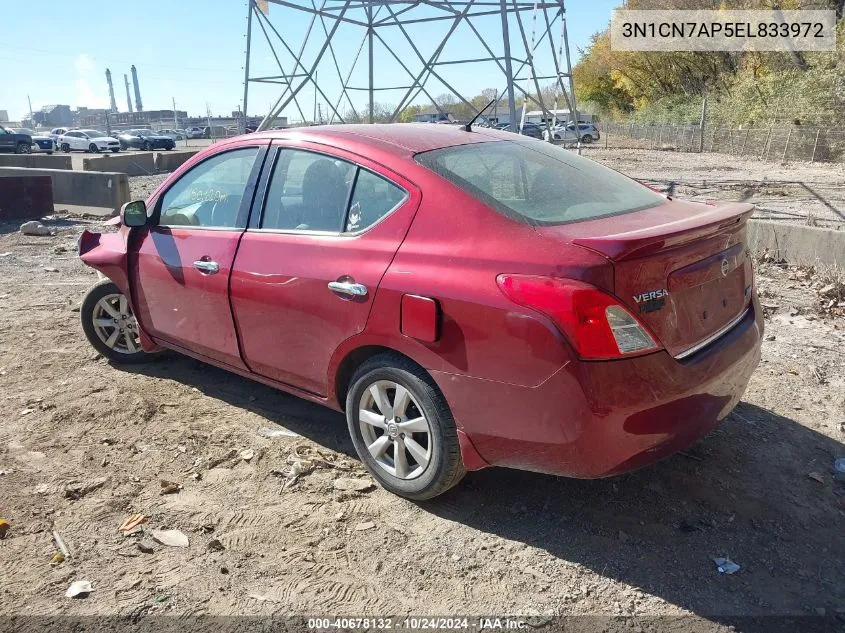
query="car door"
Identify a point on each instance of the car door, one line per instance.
(305, 277)
(180, 265)
(6, 140)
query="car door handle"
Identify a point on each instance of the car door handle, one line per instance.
(207, 267)
(348, 288)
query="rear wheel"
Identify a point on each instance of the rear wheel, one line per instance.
(23, 148)
(586, 138)
(402, 428)
(110, 326)
(146, 146)
(115, 150)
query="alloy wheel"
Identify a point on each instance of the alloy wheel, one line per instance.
(395, 430)
(115, 325)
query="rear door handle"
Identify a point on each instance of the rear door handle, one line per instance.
(348, 288)
(207, 267)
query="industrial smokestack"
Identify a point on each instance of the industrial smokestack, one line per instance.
(128, 96)
(111, 91)
(138, 105)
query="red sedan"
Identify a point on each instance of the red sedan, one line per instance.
(468, 298)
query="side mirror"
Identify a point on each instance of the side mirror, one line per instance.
(134, 213)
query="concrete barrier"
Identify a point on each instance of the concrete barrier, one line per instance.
(170, 161)
(86, 189)
(130, 163)
(25, 197)
(797, 244)
(38, 161)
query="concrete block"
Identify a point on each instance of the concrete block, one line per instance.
(130, 163)
(797, 244)
(38, 161)
(87, 189)
(171, 161)
(25, 197)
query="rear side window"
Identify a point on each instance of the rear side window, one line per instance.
(538, 183)
(374, 197)
(315, 192)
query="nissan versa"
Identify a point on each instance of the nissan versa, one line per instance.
(468, 298)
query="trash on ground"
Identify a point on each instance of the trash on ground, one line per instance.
(27, 411)
(169, 487)
(816, 477)
(247, 454)
(6, 254)
(79, 589)
(171, 538)
(276, 432)
(35, 228)
(366, 525)
(58, 559)
(78, 489)
(131, 523)
(60, 543)
(50, 269)
(726, 566)
(4, 528)
(357, 485)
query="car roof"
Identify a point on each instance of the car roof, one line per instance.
(397, 138)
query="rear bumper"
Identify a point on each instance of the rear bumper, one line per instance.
(596, 419)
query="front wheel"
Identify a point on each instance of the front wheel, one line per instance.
(93, 149)
(146, 147)
(402, 428)
(65, 148)
(115, 150)
(110, 326)
(23, 148)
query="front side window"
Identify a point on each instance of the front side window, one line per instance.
(210, 194)
(538, 183)
(308, 192)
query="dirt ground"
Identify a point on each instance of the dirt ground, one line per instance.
(85, 444)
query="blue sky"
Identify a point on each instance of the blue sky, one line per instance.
(193, 51)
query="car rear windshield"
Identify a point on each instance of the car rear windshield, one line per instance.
(538, 183)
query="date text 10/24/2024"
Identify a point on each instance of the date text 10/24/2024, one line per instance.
(411, 623)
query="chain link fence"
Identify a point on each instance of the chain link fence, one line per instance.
(782, 143)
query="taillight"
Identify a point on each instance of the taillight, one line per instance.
(596, 324)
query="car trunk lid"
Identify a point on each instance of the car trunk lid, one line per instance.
(681, 267)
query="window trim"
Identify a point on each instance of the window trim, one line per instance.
(270, 171)
(246, 202)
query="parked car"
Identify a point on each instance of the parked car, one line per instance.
(11, 141)
(146, 140)
(56, 132)
(569, 321)
(589, 132)
(40, 142)
(88, 141)
(532, 129)
(176, 135)
(195, 132)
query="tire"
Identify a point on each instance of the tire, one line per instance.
(123, 146)
(168, 148)
(23, 148)
(426, 406)
(66, 148)
(49, 153)
(586, 138)
(120, 351)
(146, 146)
(115, 150)
(93, 149)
